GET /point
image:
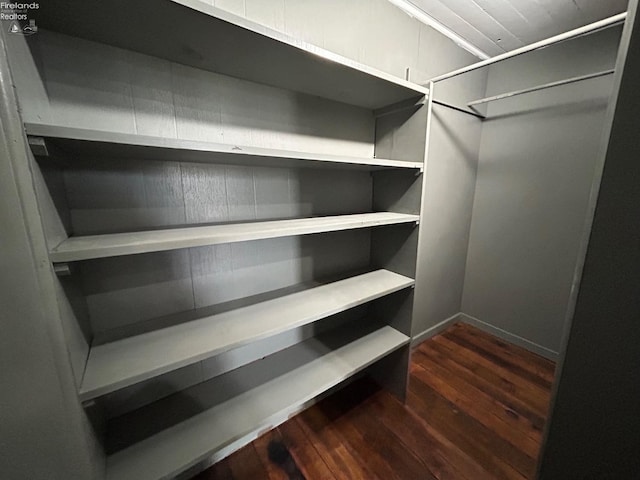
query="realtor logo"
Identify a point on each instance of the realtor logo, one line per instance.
(17, 14)
(29, 29)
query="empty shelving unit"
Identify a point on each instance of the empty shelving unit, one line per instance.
(208, 225)
(232, 240)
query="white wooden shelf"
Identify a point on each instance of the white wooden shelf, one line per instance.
(122, 363)
(222, 424)
(193, 33)
(84, 143)
(116, 244)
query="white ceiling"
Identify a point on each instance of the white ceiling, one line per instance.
(497, 26)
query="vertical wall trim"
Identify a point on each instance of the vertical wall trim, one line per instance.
(422, 225)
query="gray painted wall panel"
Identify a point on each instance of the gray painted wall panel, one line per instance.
(140, 394)
(205, 194)
(241, 195)
(401, 135)
(536, 168)
(119, 195)
(74, 314)
(449, 179)
(128, 399)
(125, 290)
(48, 182)
(50, 191)
(323, 192)
(87, 84)
(272, 193)
(131, 196)
(437, 55)
(446, 216)
(151, 95)
(449, 183)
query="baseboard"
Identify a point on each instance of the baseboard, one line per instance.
(509, 337)
(436, 329)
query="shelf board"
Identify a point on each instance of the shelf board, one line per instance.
(193, 33)
(83, 143)
(118, 364)
(219, 421)
(116, 244)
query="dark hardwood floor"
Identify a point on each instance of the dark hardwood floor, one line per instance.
(475, 410)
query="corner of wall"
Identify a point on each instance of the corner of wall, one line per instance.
(435, 330)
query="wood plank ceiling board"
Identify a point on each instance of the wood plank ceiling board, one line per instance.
(473, 14)
(498, 26)
(521, 23)
(437, 10)
(574, 13)
(551, 17)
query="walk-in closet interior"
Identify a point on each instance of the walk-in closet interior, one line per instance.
(216, 215)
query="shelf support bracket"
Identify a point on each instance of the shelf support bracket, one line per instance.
(62, 269)
(399, 106)
(38, 146)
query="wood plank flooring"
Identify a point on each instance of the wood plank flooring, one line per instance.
(475, 410)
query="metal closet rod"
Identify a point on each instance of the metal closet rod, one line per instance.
(539, 87)
(607, 22)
